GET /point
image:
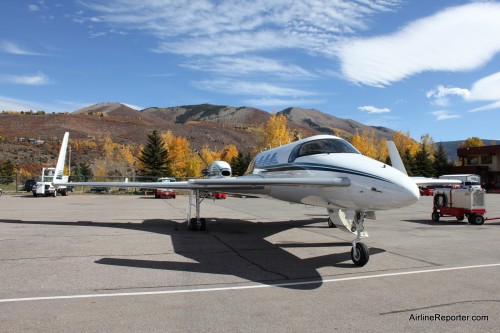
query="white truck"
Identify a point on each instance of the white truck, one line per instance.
(44, 186)
(468, 180)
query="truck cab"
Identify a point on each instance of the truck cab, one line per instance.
(45, 187)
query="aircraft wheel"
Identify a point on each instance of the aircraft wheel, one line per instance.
(435, 216)
(362, 255)
(192, 224)
(477, 219)
(331, 224)
(203, 224)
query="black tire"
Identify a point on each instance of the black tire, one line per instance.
(440, 200)
(192, 224)
(435, 216)
(363, 255)
(331, 224)
(477, 219)
(203, 224)
(460, 218)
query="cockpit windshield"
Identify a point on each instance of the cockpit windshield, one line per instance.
(323, 146)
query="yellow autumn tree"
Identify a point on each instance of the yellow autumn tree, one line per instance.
(365, 143)
(108, 147)
(405, 143)
(178, 154)
(473, 141)
(276, 133)
(208, 155)
(228, 153)
(124, 159)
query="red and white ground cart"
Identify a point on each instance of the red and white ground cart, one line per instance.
(460, 203)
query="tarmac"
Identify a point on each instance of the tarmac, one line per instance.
(127, 263)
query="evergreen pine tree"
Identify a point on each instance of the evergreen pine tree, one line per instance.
(240, 163)
(7, 172)
(409, 162)
(154, 157)
(423, 163)
(441, 164)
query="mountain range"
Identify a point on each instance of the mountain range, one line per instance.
(203, 124)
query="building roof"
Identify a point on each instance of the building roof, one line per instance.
(484, 150)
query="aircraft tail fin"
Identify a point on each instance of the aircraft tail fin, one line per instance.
(58, 174)
(396, 161)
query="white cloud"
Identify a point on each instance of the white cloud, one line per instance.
(250, 88)
(457, 39)
(14, 104)
(491, 106)
(232, 66)
(229, 27)
(13, 48)
(280, 102)
(33, 8)
(37, 79)
(372, 109)
(439, 96)
(444, 115)
(487, 88)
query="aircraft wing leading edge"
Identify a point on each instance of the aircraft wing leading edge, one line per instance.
(435, 181)
(240, 183)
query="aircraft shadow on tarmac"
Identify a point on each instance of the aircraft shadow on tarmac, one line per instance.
(234, 247)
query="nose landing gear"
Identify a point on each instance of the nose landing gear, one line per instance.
(352, 221)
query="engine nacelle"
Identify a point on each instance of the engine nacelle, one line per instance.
(218, 169)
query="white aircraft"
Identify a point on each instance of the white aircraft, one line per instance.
(321, 170)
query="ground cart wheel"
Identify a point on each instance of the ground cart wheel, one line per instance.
(477, 219)
(460, 218)
(440, 200)
(435, 216)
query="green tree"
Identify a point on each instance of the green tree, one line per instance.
(153, 157)
(409, 162)
(239, 164)
(441, 164)
(7, 172)
(423, 163)
(81, 172)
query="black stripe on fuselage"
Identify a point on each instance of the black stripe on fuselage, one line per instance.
(318, 167)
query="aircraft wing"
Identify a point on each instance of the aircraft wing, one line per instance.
(435, 181)
(223, 184)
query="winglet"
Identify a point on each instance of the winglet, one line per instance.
(60, 161)
(396, 161)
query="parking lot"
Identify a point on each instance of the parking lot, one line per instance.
(124, 263)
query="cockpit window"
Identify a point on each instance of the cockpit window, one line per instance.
(324, 146)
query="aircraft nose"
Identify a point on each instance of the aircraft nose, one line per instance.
(411, 193)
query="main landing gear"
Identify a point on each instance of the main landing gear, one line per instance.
(195, 223)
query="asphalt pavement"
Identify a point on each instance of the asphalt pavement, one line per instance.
(126, 263)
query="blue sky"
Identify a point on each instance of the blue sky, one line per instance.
(419, 66)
